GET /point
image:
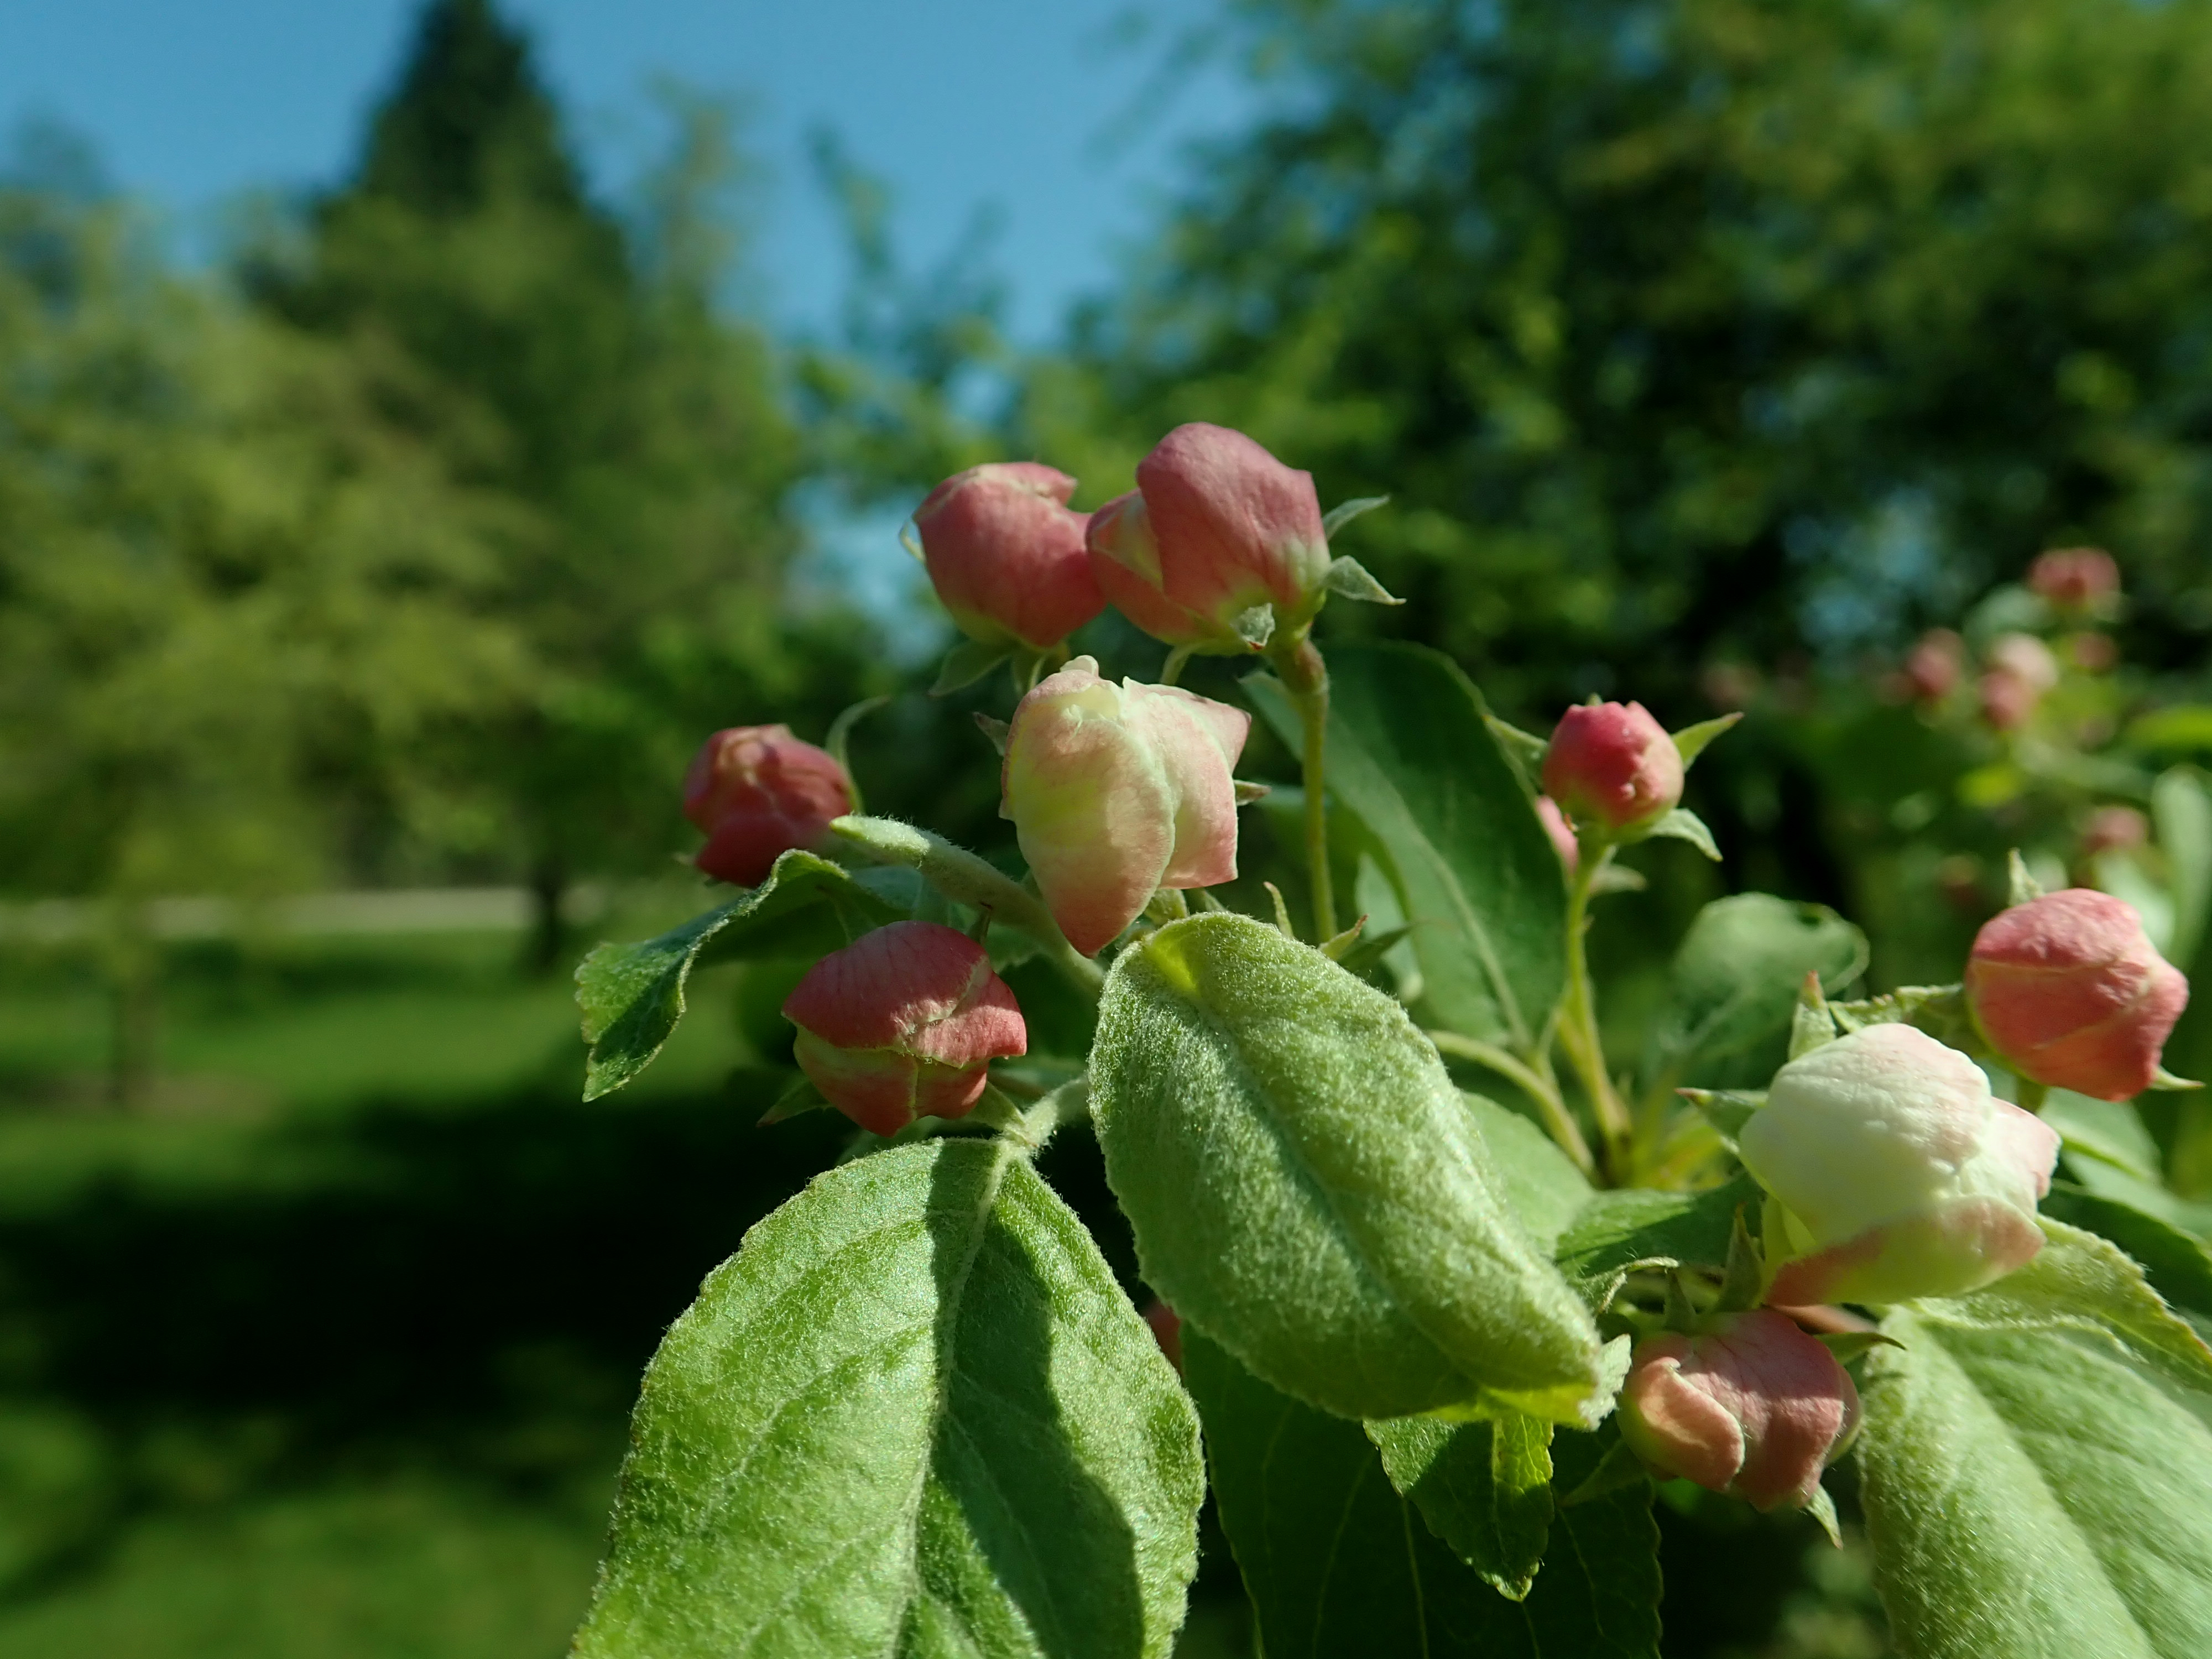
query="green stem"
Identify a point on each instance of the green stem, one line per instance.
(1538, 1087)
(1305, 677)
(1578, 1032)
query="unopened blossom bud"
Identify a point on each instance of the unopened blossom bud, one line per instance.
(757, 792)
(904, 1023)
(1754, 1407)
(2115, 829)
(1561, 832)
(1006, 555)
(2070, 992)
(2019, 670)
(1117, 791)
(2074, 578)
(1932, 667)
(1893, 1172)
(1613, 768)
(1225, 528)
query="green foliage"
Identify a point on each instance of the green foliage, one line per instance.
(1542, 1182)
(1306, 1187)
(632, 995)
(1634, 1227)
(2035, 1458)
(913, 1413)
(1478, 880)
(1337, 1562)
(1734, 983)
(1485, 1488)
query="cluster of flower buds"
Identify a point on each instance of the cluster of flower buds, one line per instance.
(1891, 1172)
(2070, 992)
(1117, 791)
(756, 791)
(1006, 555)
(904, 1023)
(1750, 1404)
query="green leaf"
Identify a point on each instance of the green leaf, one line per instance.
(967, 662)
(1306, 1187)
(1483, 1487)
(1692, 741)
(1542, 1182)
(2036, 1459)
(2181, 808)
(913, 1414)
(632, 995)
(2177, 1263)
(1636, 1227)
(1735, 986)
(1409, 753)
(1340, 1566)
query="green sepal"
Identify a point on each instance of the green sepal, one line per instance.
(1692, 741)
(799, 1096)
(1683, 824)
(2162, 1079)
(1344, 512)
(2021, 885)
(996, 729)
(1349, 579)
(1848, 1345)
(1525, 750)
(1811, 1025)
(1254, 627)
(1822, 1509)
(1727, 1110)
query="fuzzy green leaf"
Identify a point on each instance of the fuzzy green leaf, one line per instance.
(1634, 1227)
(1734, 985)
(913, 1415)
(1306, 1186)
(2177, 1263)
(1484, 1488)
(1542, 1182)
(632, 995)
(2036, 1459)
(1340, 1566)
(1410, 753)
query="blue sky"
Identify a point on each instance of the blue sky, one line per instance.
(958, 103)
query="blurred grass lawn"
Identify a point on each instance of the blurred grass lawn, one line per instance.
(328, 1351)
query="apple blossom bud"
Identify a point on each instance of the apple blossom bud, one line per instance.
(757, 792)
(1613, 768)
(1117, 791)
(1561, 832)
(1125, 561)
(2115, 829)
(903, 1022)
(1933, 666)
(1225, 528)
(1754, 1407)
(2074, 578)
(1893, 1172)
(2020, 670)
(2070, 992)
(1006, 556)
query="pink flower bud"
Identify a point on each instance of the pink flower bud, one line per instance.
(2020, 670)
(1008, 557)
(1754, 1407)
(1612, 767)
(1561, 832)
(2072, 993)
(904, 1023)
(1893, 1172)
(1933, 666)
(2115, 829)
(1225, 527)
(1125, 560)
(1117, 791)
(757, 792)
(2074, 578)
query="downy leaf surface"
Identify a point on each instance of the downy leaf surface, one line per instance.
(2036, 1462)
(1306, 1186)
(913, 1415)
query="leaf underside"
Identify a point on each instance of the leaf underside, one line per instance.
(2036, 1462)
(913, 1415)
(1340, 1566)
